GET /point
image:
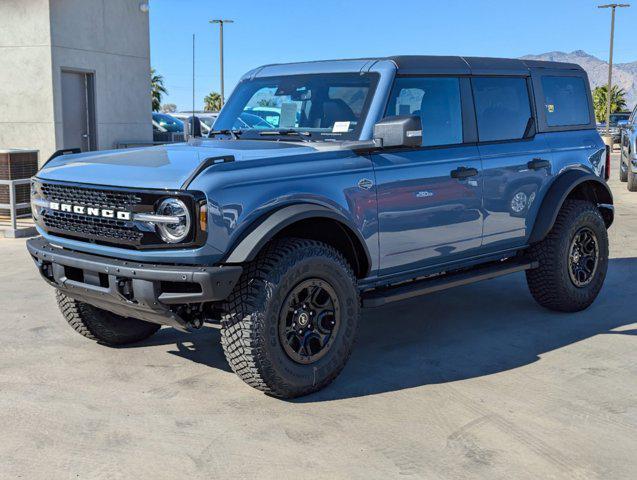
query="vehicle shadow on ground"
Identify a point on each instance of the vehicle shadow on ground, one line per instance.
(200, 346)
(466, 332)
(473, 331)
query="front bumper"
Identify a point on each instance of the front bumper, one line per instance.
(148, 292)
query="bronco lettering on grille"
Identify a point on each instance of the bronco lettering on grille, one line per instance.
(90, 211)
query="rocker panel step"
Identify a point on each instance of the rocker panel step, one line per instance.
(417, 288)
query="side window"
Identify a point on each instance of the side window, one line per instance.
(503, 108)
(436, 100)
(565, 101)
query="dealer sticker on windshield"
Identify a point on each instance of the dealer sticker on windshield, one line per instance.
(340, 127)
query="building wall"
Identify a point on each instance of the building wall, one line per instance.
(111, 39)
(40, 38)
(26, 87)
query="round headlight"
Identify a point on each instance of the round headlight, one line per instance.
(174, 232)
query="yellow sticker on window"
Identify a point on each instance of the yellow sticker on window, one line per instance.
(551, 108)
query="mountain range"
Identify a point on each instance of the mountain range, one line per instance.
(624, 74)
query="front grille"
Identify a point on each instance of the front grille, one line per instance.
(97, 228)
(90, 197)
(105, 229)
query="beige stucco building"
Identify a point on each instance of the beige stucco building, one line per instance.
(74, 74)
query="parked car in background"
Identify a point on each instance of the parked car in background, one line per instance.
(207, 119)
(387, 178)
(250, 121)
(272, 115)
(167, 128)
(615, 130)
(628, 151)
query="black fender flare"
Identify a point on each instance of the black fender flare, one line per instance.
(251, 243)
(561, 188)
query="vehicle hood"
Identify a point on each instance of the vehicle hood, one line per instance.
(163, 167)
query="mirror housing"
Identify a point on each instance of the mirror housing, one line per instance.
(399, 131)
(195, 126)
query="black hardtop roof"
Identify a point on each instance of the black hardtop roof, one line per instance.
(427, 64)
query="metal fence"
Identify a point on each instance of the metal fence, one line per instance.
(12, 206)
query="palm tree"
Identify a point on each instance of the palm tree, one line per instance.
(212, 102)
(157, 89)
(600, 98)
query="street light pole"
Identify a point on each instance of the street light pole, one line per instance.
(613, 7)
(221, 22)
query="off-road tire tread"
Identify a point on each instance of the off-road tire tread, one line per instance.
(631, 180)
(545, 282)
(84, 319)
(623, 174)
(241, 325)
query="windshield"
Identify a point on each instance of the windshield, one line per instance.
(325, 106)
(170, 123)
(616, 117)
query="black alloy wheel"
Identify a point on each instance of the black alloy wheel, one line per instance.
(309, 321)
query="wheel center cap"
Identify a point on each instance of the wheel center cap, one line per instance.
(303, 319)
(576, 256)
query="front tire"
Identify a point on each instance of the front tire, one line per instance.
(292, 319)
(573, 259)
(103, 326)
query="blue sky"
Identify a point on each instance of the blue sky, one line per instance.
(277, 31)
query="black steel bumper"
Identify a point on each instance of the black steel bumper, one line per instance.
(131, 289)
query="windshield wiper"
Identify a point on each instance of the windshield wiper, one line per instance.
(288, 132)
(233, 133)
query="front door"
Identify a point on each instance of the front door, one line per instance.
(429, 199)
(78, 110)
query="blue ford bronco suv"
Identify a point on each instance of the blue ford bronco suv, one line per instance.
(327, 187)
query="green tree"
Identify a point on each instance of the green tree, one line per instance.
(600, 98)
(212, 102)
(157, 89)
(267, 102)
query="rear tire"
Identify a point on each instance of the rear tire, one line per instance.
(102, 326)
(274, 334)
(632, 180)
(623, 171)
(567, 279)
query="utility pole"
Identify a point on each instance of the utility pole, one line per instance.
(221, 22)
(613, 7)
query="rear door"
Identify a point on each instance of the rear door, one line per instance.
(429, 198)
(516, 162)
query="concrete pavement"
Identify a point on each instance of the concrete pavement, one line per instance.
(477, 382)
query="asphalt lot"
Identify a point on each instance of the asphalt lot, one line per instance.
(476, 382)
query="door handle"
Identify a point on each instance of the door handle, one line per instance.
(464, 172)
(538, 163)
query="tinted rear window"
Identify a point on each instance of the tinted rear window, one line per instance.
(502, 107)
(565, 101)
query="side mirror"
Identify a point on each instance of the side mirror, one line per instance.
(195, 126)
(399, 131)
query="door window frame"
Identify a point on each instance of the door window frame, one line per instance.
(469, 132)
(532, 110)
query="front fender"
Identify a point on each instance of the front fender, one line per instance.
(272, 223)
(571, 182)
